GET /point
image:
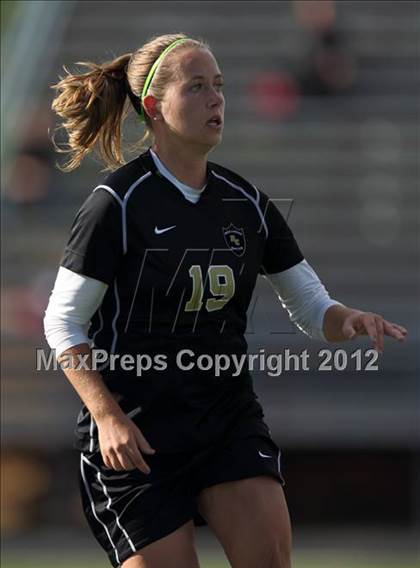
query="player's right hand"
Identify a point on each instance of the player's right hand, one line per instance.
(121, 444)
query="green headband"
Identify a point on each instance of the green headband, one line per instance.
(152, 72)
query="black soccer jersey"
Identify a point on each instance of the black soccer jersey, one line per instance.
(180, 276)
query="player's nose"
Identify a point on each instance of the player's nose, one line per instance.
(216, 98)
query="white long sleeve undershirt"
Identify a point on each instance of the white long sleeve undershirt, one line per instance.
(304, 297)
(73, 301)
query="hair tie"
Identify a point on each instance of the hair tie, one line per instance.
(135, 100)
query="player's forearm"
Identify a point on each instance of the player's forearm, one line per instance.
(89, 384)
(333, 322)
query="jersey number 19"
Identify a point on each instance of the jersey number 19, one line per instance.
(222, 283)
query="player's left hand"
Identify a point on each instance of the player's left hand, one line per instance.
(374, 325)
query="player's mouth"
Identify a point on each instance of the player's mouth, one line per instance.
(215, 122)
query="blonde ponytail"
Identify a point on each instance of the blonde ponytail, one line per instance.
(92, 106)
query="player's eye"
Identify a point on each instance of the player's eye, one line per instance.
(198, 86)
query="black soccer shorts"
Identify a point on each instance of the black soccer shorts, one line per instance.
(127, 510)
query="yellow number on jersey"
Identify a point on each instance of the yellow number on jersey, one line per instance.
(222, 283)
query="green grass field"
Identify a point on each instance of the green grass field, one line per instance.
(301, 560)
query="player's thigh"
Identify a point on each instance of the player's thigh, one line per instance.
(172, 551)
(251, 521)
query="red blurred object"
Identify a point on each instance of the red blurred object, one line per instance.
(275, 95)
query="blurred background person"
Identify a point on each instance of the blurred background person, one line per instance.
(328, 67)
(323, 66)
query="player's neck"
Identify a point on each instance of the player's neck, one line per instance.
(186, 167)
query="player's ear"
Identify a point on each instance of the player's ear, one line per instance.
(152, 107)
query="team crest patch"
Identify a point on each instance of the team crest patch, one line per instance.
(235, 239)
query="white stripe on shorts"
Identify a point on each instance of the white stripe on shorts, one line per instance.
(108, 506)
(92, 504)
(278, 466)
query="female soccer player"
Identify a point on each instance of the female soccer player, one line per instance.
(162, 261)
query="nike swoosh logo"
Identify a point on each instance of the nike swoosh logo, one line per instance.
(160, 231)
(263, 455)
